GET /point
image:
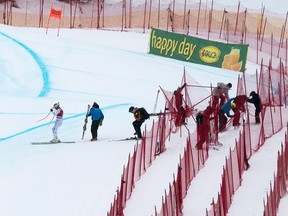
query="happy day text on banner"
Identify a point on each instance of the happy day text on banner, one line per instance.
(200, 51)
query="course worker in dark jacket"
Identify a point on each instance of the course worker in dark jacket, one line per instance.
(140, 115)
(224, 112)
(256, 100)
(97, 119)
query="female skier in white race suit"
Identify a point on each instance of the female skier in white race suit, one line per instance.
(58, 112)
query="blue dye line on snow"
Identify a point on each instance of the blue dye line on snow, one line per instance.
(70, 117)
(44, 72)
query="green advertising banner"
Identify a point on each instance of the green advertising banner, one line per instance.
(200, 51)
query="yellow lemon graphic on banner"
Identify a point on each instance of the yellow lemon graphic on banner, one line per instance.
(236, 67)
(231, 60)
(234, 56)
(226, 65)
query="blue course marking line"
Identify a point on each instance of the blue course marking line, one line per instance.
(70, 117)
(37, 59)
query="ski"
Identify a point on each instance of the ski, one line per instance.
(40, 143)
(156, 114)
(216, 143)
(214, 148)
(236, 127)
(124, 139)
(85, 122)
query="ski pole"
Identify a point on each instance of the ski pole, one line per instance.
(155, 105)
(44, 117)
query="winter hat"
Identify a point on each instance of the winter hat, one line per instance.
(131, 109)
(95, 105)
(252, 93)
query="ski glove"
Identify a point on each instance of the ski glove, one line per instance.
(100, 123)
(51, 110)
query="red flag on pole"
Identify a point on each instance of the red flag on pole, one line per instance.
(55, 14)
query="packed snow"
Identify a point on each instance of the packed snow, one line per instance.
(114, 69)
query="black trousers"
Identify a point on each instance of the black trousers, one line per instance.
(257, 112)
(94, 128)
(222, 120)
(137, 127)
(257, 115)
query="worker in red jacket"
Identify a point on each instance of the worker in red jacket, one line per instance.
(203, 127)
(240, 102)
(220, 94)
(178, 96)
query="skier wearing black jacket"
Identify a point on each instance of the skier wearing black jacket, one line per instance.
(256, 100)
(140, 115)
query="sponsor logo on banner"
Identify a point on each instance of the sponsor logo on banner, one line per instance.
(210, 54)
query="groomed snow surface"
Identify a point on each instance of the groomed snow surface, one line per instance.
(113, 69)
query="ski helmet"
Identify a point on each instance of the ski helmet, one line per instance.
(56, 105)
